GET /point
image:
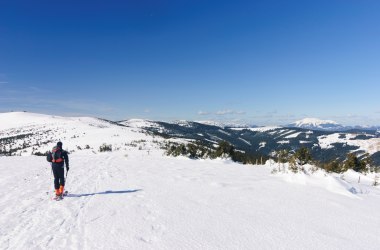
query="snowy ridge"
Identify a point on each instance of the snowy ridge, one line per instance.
(211, 123)
(259, 129)
(13, 120)
(30, 133)
(313, 122)
(138, 123)
(224, 124)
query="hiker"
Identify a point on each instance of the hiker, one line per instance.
(58, 158)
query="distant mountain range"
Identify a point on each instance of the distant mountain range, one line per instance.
(327, 125)
(324, 145)
(25, 133)
(317, 124)
(306, 123)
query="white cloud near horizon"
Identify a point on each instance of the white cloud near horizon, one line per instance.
(203, 113)
(230, 112)
(222, 112)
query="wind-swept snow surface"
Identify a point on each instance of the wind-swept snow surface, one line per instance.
(143, 200)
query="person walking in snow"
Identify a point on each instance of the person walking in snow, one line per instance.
(58, 158)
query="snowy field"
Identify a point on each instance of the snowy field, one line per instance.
(142, 201)
(137, 198)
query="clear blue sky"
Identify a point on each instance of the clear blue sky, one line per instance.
(262, 62)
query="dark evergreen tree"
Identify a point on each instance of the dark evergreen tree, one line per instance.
(224, 149)
(192, 150)
(303, 156)
(368, 163)
(353, 162)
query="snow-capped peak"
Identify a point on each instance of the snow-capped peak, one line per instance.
(315, 123)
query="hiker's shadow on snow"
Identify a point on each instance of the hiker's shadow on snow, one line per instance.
(105, 192)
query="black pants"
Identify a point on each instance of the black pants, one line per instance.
(59, 176)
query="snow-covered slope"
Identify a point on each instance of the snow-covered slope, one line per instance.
(147, 201)
(139, 123)
(27, 133)
(13, 120)
(371, 145)
(317, 124)
(137, 198)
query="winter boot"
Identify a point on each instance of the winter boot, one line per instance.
(61, 188)
(57, 193)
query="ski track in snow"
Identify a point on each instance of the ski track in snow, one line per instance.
(97, 194)
(156, 202)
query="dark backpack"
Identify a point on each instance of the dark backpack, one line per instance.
(49, 157)
(56, 155)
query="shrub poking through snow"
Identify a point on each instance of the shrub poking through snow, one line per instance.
(293, 166)
(104, 147)
(332, 166)
(39, 153)
(224, 149)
